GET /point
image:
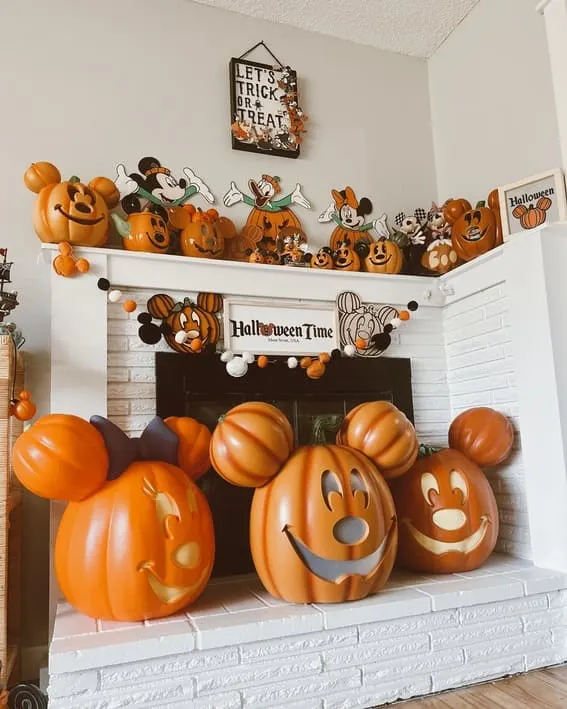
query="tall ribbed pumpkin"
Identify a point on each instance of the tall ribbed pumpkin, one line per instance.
(483, 435)
(324, 529)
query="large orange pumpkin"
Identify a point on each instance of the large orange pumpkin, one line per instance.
(203, 239)
(383, 433)
(137, 546)
(271, 223)
(473, 231)
(448, 518)
(251, 443)
(484, 435)
(194, 440)
(324, 529)
(69, 211)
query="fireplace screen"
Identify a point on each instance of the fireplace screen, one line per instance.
(199, 386)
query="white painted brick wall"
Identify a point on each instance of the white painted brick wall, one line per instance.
(361, 666)
(480, 372)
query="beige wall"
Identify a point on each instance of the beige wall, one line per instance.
(89, 84)
(493, 112)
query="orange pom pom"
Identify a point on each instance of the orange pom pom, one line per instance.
(404, 315)
(305, 362)
(360, 343)
(82, 265)
(262, 361)
(324, 357)
(196, 344)
(129, 306)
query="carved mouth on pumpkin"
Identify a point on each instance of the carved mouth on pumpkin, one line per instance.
(463, 546)
(382, 262)
(201, 250)
(337, 571)
(474, 234)
(344, 265)
(163, 246)
(170, 594)
(78, 220)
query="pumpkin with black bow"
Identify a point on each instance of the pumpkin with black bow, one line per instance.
(136, 540)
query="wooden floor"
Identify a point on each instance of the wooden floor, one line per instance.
(543, 688)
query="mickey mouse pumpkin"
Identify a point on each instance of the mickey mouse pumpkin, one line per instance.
(136, 540)
(447, 512)
(322, 526)
(473, 231)
(70, 211)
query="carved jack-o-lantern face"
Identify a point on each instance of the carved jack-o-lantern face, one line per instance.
(447, 514)
(156, 554)
(202, 240)
(384, 256)
(195, 322)
(323, 259)
(148, 232)
(324, 529)
(440, 256)
(474, 233)
(346, 259)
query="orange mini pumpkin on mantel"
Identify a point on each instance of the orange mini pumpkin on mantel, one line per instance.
(473, 231)
(69, 211)
(446, 508)
(136, 541)
(323, 526)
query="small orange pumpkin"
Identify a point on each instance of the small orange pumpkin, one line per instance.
(248, 239)
(147, 232)
(440, 256)
(383, 433)
(24, 409)
(194, 440)
(484, 435)
(382, 256)
(235, 453)
(323, 259)
(345, 258)
(39, 175)
(202, 240)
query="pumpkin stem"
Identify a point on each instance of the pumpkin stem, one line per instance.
(425, 450)
(323, 425)
(480, 204)
(74, 178)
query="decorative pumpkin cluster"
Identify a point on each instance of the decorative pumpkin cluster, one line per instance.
(155, 550)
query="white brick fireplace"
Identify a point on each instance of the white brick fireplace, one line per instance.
(488, 333)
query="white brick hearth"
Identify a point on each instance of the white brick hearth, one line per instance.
(469, 345)
(237, 647)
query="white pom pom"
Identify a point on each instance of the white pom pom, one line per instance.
(226, 356)
(180, 337)
(114, 296)
(248, 357)
(292, 362)
(395, 322)
(349, 350)
(237, 367)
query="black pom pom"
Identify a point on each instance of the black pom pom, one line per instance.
(103, 284)
(382, 341)
(335, 354)
(144, 318)
(412, 305)
(149, 333)
(388, 327)
(210, 349)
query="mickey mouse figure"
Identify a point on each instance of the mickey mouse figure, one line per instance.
(155, 184)
(349, 214)
(410, 230)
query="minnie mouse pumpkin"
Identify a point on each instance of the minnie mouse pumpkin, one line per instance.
(322, 526)
(446, 508)
(136, 540)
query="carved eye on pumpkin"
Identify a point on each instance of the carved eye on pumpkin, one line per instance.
(331, 488)
(458, 482)
(429, 484)
(166, 507)
(358, 487)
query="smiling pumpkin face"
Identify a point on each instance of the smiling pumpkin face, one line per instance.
(384, 256)
(71, 212)
(447, 515)
(142, 547)
(324, 529)
(195, 322)
(148, 232)
(474, 233)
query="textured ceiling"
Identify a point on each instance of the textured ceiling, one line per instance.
(415, 27)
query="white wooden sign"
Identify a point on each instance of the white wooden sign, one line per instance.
(283, 329)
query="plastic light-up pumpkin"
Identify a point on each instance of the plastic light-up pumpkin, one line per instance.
(473, 231)
(382, 256)
(322, 526)
(69, 211)
(143, 230)
(136, 540)
(447, 512)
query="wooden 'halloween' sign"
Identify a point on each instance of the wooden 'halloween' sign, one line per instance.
(265, 114)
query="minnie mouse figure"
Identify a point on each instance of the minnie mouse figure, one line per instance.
(349, 214)
(156, 185)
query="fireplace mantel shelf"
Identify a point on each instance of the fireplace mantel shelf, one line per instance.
(129, 269)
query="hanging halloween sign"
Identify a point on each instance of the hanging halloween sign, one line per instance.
(188, 327)
(154, 184)
(447, 511)
(70, 210)
(364, 328)
(323, 526)
(136, 540)
(264, 105)
(349, 214)
(270, 213)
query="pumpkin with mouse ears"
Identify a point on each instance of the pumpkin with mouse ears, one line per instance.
(448, 516)
(143, 230)
(346, 258)
(323, 526)
(382, 256)
(70, 211)
(322, 260)
(136, 540)
(473, 231)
